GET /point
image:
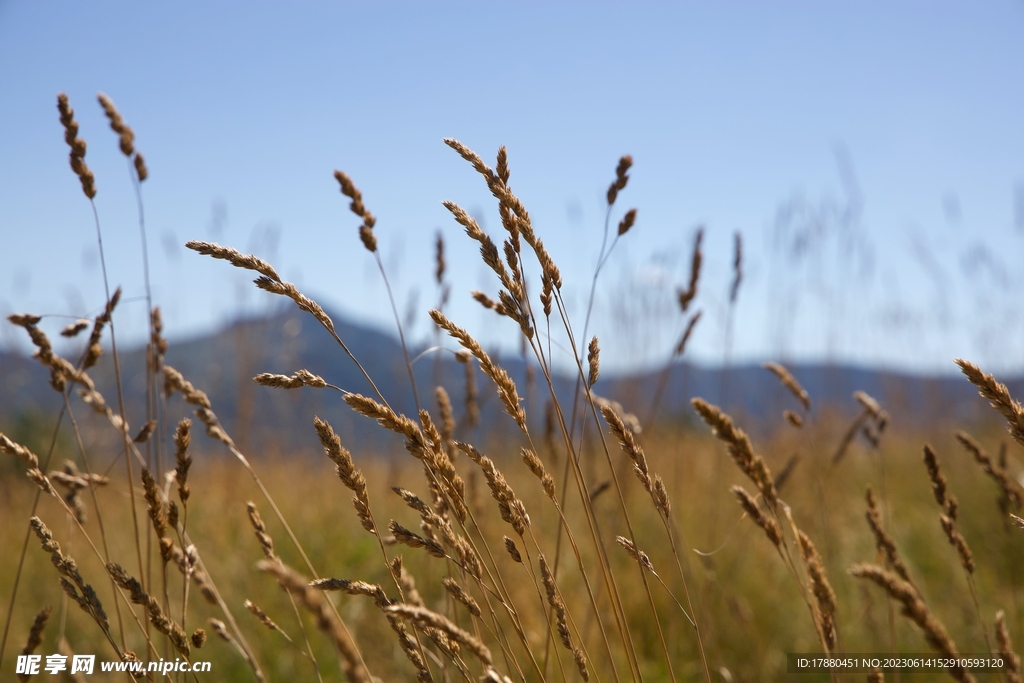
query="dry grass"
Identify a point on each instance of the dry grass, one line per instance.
(525, 586)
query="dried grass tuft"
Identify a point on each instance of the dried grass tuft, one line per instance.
(621, 178)
(349, 189)
(594, 361)
(264, 538)
(686, 296)
(740, 448)
(790, 383)
(916, 610)
(182, 439)
(234, 257)
(460, 595)
(512, 550)
(506, 387)
(77, 145)
(1009, 489)
(301, 378)
(946, 501)
(883, 541)
(117, 124)
(310, 598)
(737, 268)
(998, 396)
(157, 617)
(424, 617)
(70, 579)
(638, 555)
(691, 325)
(627, 222)
(35, 636)
(824, 596)
(414, 540)
(74, 328)
(350, 476)
(198, 638)
(1011, 662)
(750, 506)
(512, 510)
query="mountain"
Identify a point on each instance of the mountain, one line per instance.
(263, 419)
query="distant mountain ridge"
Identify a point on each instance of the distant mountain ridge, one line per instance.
(223, 363)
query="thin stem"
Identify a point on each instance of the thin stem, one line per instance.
(120, 393)
(401, 334)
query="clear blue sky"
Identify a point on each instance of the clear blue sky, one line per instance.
(871, 154)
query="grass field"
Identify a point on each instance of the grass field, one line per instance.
(591, 549)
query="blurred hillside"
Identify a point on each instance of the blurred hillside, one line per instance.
(224, 363)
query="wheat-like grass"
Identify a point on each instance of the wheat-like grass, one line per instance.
(753, 510)
(77, 145)
(946, 501)
(260, 528)
(684, 339)
(686, 296)
(998, 396)
(300, 378)
(561, 617)
(1009, 489)
(512, 550)
(629, 446)
(350, 476)
(164, 624)
(264, 619)
(453, 526)
(425, 617)
(883, 541)
(627, 222)
(461, 595)
(1011, 662)
(117, 124)
(740, 448)
(512, 509)
(506, 387)
(957, 540)
(824, 596)
(409, 645)
(915, 609)
(737, 268)
(234, 257)
(621, 178)
(71, 580)
(790, 383)
(326, 620)
(35, 636)
(182, 458)
(593, 361)
(74, 328)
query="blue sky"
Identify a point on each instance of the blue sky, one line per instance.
(871, 154)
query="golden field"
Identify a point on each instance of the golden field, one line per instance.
(589, 549)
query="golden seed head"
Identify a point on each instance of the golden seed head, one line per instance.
(621, 178)
(687, 295)
(737, 268)
(140, 166)
(74, 328)
(627, 222)
(439, 272)
(513, 551)
(792, 385)
(198, 638)
(687, 333)
(77, 146)
(594, 360)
